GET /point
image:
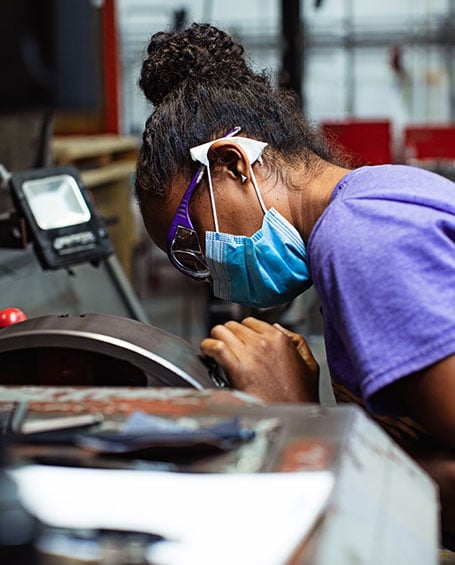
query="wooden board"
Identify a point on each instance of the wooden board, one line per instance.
(95, 150)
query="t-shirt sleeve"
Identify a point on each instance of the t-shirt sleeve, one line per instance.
(385, 274)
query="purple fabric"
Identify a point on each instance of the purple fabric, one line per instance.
(382, 259)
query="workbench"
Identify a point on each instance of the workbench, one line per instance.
(383, 508)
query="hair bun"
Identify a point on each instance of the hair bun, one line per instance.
(200, 53)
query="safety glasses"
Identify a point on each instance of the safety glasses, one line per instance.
(183, 247)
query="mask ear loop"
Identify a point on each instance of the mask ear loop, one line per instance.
(212, 199)
(212, 195)
(256, 188)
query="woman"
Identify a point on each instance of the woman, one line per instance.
(240, 191)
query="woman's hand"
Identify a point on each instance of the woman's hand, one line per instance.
(268, 361)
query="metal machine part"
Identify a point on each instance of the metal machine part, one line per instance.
(101, 349)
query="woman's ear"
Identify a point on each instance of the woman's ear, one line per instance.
(224, 154)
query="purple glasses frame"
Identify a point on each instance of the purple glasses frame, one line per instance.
(183, 247)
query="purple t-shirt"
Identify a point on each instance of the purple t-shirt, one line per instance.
(382, 259)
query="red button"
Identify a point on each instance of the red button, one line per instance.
(10, 316)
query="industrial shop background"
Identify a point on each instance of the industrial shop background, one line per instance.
(379, 76)
(377, 79)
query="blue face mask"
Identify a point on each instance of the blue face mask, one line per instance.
(265, 269)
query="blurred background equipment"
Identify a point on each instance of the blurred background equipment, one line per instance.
(60, 74)
(362, 141)
(47, 55)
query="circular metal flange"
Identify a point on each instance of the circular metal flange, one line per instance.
(165, 359)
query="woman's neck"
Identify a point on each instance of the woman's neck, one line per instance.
(314, 195)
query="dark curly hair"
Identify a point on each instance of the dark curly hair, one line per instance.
(201, 87)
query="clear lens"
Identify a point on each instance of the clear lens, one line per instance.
(192, 264)
(187, 255)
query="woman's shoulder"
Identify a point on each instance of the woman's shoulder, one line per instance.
(391, 182)
(380, 197)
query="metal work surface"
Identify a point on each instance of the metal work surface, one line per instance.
(370, 520)
(305, 436)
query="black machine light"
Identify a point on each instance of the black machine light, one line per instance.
(60, 217)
